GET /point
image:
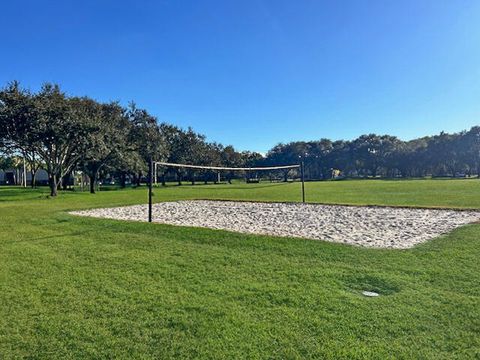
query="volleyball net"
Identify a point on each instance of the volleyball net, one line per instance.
(152, 177)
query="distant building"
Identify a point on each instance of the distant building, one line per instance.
(15, 177)
(41, 177)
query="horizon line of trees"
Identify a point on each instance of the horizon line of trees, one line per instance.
(371, 155)
(63, 134)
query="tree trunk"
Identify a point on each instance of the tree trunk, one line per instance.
(123, 180)
(139, 178)
(33, 173)
(92, 183)
(52, 182)
(164, 183)
(179, 178)
(65, 181)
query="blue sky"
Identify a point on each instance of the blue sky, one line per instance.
(255, 73)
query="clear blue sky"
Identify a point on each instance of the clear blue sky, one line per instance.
(253, 73)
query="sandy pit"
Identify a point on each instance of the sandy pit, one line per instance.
(383, 227)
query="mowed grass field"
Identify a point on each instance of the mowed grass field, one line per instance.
(73, 287)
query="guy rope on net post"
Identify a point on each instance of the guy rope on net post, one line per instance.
(150, 185)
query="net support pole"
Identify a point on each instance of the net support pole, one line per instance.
(155, 173)
(25, 172)
(302, 174)
(150, 184)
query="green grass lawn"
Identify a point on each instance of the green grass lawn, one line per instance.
(73, 287)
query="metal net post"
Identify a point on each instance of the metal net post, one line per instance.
(150, 184)
(302, 172)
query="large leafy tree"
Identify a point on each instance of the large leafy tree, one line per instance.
(231, 158)
(107, 140)
(19, 125)
(63, 132)
(471, 150)
(183, 147)
(286, 154)
(192, 150)
(211, 154)
(444, 153)
(145, 137)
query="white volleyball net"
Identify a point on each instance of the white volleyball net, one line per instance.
(251, 174)
(216, 174)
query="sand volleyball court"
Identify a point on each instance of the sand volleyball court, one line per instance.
(383, 227)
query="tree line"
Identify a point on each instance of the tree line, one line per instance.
(374, 155)
(63, 134)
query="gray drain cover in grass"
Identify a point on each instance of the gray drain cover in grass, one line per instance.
(370, 293)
